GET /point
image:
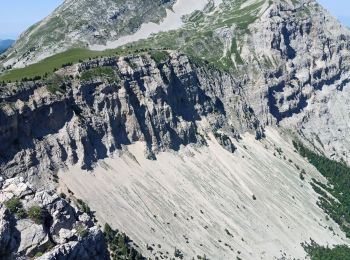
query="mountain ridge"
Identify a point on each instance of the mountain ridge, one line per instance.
(206, 121)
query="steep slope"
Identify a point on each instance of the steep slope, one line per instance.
(207, 201)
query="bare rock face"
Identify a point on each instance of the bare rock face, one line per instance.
(91, 247)
(137, 100)
(93, 111)
(305, 81)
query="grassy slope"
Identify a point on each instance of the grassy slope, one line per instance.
(49, 64)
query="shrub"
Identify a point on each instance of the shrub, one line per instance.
(82, 231)
(160, 56)
(84, 207)
(317, 252)
(338, 176)
(63, 196)
(36, 214)
(38, 254)
(119, 245)
(21, 213)
(14, 205)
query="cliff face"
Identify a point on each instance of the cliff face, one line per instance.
(297, 65)
(90, 111)
(116, 102)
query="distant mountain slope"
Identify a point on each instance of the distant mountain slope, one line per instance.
(80, 23)
(5, 44)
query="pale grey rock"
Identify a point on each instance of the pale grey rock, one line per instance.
(161, 105)
(91, 247)
(32, 236)
(22, 238)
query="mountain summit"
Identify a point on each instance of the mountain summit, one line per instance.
(213, 130)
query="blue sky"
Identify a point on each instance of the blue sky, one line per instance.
(18, 15)
(339, 8)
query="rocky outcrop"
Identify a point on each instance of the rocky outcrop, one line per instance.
(59, 232)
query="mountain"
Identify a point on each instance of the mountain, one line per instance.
(5, 44)
(223, 138)
(99, 21)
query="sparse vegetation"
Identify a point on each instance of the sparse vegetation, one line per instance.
(38, 254)
(159, 56)
(120, 245)
(15, 206)
(56, 84)
(335, 197)
(82, 230)
(36, 214)
(317, 252)
(84, 207)
(178, 253)
(99, 72)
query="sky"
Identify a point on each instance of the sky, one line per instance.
(339, 8)
(17, 15)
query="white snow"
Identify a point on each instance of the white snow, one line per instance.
(140, 197)
(172, 21)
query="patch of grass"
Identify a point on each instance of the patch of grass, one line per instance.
(160, 56)
(105, 72)
(56, 84)
(38, 254)
(48, 65)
